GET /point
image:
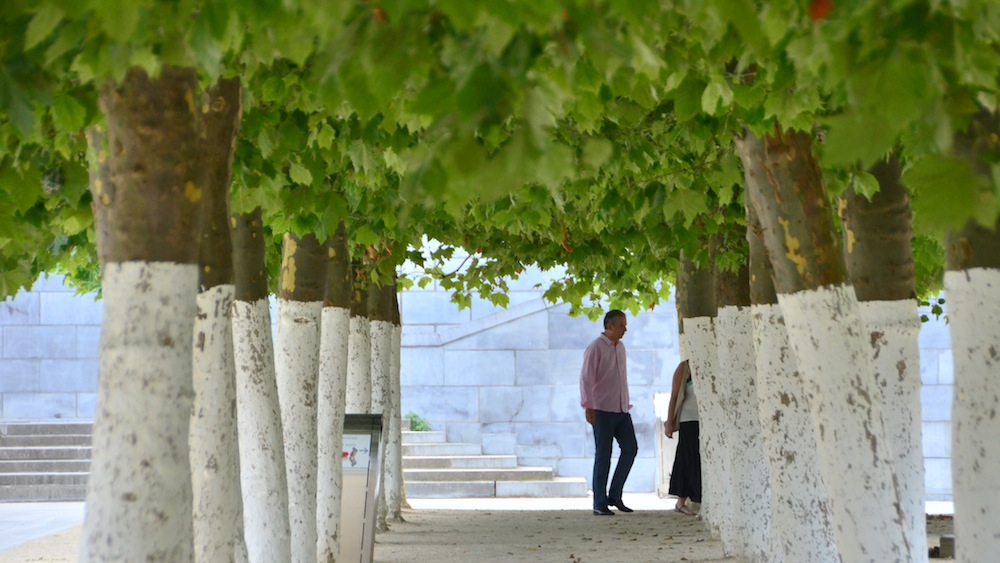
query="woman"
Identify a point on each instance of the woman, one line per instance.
(682, 417)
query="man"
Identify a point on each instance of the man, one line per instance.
(604, 395)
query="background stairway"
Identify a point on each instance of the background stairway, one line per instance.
(44, 461)
(435, 468)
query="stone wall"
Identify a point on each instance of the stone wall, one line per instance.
(506, 379)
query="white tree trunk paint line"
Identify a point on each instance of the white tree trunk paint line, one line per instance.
(393, 483)
(215, 465)
(139, 494)
(974, 316)
(335, 326)
(798, 495)
(717, 501)
(381, 358)
(893, 328)
(262, 451)
(826, 333)
(751, 471)
(296, 368)
(359, 382)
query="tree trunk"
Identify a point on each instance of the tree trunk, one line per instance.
(146, 202)
(301, 288)
(971, 282)
(393, 485)
(825, 329)
(879, 256)
(359, 383)
(332, 387)
(798, 495)
(215, 470)
(750, 470)
(380, 330)
(262, 450)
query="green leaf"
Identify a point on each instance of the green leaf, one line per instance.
(596, 152)
(855, 137)
(324, 139)
(687, 202)
(865, 184)
(947, 194)
(300, 174)
(42, 25)
(361, 157)
(68, 114)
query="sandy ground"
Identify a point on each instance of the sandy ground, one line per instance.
(462, 536)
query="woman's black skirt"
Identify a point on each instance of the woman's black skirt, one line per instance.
(685, 479)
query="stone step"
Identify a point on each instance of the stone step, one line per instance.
(45, 466)
(43, 493)
(558, 487)
(459, 461)
(441, 448)
(423, 437)
(36, 428)
(42, 453)
(19, 479)
(513, 474)
(38, 440)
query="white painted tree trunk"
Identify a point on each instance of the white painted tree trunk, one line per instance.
(262, 451)
(215, 465)
(893, 328)
(381, 364)
(798, 495)
(717, 500)
(974, 316)
(751, 472)
(330, 425)
(297, 369)
(359, 383)
(825, 330)
(393, 484)
(139, 494)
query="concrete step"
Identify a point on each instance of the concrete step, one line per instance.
(459, 461)
(39, 440)
(558, 487)
(45, 466)
(441, 448)
(18, 479)
(43, 493)
(73, 452)
(411, 437)
(36, 428)
(514, 474)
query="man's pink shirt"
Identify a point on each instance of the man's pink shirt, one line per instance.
(603, 379)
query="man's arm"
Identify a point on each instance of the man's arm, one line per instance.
(587, 377)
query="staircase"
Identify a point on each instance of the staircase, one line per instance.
(435, 468)
(44, 461)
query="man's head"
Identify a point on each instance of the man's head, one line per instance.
(615, 325)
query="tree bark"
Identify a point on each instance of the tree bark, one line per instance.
(215, 470)
(359, 383)
(395, 494)
(332, 396)
(878, 238)
(785, 187)
(301, 289)
(798, 495)
(262, 451)
(380, 330)
(146, 201)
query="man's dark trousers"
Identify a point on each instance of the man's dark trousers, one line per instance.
(608, 426)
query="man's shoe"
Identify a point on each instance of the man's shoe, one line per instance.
(603, 512)
(619, 505)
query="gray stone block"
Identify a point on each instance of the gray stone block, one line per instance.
(500, 404)
(565, 405)
(505, 427)
(576, 467)
(499, 443)
(651, 330)
(935, 334)
(642, 367)
(936, 437)
(19, 376)
(421, 366)
(563, 436)
(431, 308)
(525, 333)
(534, 279)
(929, 366)
(935, 402)
(39, 405)
(548, 367)
(51, 282)
(642, 478)
(444, 404)
(38, 342)
(484, 307)
(479, 367)
(937, 477)
(664, 365)
(571, 333)
(60, 308)
(68, 375)
(22, 309)
(88, 342)
(467, 432)
(946, 368)
(86, 405)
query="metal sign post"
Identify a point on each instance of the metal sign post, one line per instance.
(362, 484)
